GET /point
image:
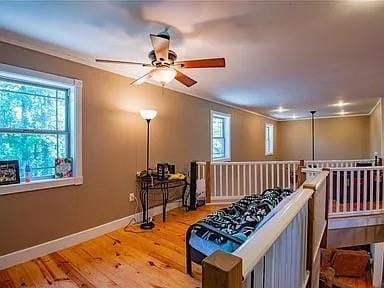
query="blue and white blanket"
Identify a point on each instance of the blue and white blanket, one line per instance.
(239, 220)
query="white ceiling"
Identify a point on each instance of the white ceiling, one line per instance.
(299, 55)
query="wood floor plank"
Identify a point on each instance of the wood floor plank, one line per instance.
(128, 257)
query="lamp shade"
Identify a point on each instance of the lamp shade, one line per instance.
(163, 75)
(148, 114)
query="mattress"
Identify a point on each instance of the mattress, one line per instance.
(240, 221)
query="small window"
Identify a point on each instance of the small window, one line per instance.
(268, 139)
(220, 136)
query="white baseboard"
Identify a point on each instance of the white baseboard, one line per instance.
(46, 248)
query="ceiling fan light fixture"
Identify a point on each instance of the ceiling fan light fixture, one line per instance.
(163, 75)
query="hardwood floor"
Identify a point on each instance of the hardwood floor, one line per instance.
(123, 258)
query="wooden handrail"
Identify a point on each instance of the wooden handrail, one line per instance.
(226, 270)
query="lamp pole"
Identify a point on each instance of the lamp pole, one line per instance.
(148, 122)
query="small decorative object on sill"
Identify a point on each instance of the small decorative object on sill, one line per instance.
(162, 171)
(27, 173)
(63, 168)
(9, 172)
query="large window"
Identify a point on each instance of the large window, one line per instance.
(34, 125)
(220, 136)
(268, 139)
(40, 120)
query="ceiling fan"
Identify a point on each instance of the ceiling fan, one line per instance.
(164, 64)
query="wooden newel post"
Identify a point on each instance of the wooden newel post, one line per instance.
(222, 270)
(207, 178)
(324, 240)
(301, 174)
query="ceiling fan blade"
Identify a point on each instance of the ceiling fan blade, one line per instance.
(182, 78)
(142, 79)
(122, 62)
(160, 46)
(202, 63)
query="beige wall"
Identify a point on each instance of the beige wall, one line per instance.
(336, 138)
(375, 130)
(114, 149)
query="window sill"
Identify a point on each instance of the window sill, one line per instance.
(221, 160)
(39, 185)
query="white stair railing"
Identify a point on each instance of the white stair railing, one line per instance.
(233, 180)
(284, 252)
(356, 191)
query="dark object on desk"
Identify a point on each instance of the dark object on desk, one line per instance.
(148, 184)
(9, 172)
(162, 171)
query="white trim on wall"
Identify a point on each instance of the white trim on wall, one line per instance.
(36, 251)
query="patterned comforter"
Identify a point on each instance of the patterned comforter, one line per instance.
(242, 218)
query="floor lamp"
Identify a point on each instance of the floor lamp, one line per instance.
(148, 115)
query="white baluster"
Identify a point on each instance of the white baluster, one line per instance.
(345, 191)
(358, 189)
(226, 180)
(377, 179)
(261, 178)
(214, 181)
(331, 192)
(255, 176)
(337, 191)
(352, 191)
(249, 179)
(233, 181)
(365, 183)
(244, 180)
(221, 180)
(370, 189)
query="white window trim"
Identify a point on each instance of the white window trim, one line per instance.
(75, 87)
(227, 130)
(267, 153)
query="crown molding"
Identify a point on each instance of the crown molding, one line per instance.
(60, 53)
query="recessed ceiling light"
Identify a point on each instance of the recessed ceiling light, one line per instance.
(280, 110)
(340, 103)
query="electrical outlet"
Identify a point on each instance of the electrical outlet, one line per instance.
(131, 197)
